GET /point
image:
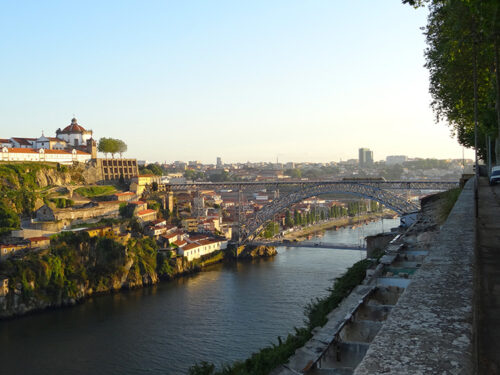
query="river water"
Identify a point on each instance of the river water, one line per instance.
(220, 315)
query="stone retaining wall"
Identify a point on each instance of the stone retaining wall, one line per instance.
(429, 331)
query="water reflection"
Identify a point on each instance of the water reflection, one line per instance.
(220, 315)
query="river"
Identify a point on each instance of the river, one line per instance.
(220, 315)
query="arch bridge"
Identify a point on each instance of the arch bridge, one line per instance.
(387, 193)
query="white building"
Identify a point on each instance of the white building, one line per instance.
(50, 143)
(42, 155)
(72, 144)
(74, 134)
(18, 142)
(199, 248)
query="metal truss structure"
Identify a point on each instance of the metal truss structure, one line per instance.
(383, 184)
(375, 189)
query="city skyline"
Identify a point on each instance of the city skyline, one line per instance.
(246, 82)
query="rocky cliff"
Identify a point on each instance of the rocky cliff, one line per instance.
(22, 184)
(76, 266)
(251, 252)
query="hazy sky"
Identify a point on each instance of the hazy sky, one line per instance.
(192, 80)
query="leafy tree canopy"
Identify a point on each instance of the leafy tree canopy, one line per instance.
(463, 39)
(111, 146)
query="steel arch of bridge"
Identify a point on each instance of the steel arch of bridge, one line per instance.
(251, 227)
(375, 189)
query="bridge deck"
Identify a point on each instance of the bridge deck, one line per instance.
(320, 245)
(388, 184)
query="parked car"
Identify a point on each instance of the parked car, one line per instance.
(495, 175)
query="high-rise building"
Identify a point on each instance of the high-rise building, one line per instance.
(365, 157)
(219, 162)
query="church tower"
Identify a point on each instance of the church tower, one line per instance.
(92, 148)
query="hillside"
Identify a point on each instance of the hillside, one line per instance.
(76, 266)
(24, 187)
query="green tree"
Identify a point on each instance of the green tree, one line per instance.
(191, 174)
(463, 39)
(220, 177)
(121, 147)
(296, 217)
(156, 169)
(294, 173)
(272, 229)
(9, 220)
(288, 219)
(111, 146)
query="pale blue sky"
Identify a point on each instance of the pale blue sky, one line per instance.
(192, 80)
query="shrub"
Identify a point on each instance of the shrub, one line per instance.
(267, 359)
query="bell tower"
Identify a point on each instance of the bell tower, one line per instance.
(92, 148)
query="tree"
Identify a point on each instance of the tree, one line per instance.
(463, 39)
(294, 173)
(220, 177)
(9, 220)
(121, 147)
(103, 146)
(151, 169)
(191, 174)
(296, 217)
(111, 146)
(271, 230)
(288, 219)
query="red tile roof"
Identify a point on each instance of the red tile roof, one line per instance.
(80, 152)
(64, 152)
(24, 141)
(18, 150)
(137, 202)
(73, 127)
(145, 212)
(190, 246)
(196, 237)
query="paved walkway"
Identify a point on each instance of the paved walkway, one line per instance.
(430, 329)
(488, 262)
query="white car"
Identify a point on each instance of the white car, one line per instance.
(495, 175)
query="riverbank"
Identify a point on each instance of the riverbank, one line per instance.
(378, 327)
(269, 358)
(302, 233)
(77, 267)
(222, 314)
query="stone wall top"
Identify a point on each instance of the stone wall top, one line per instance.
(430, 329)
